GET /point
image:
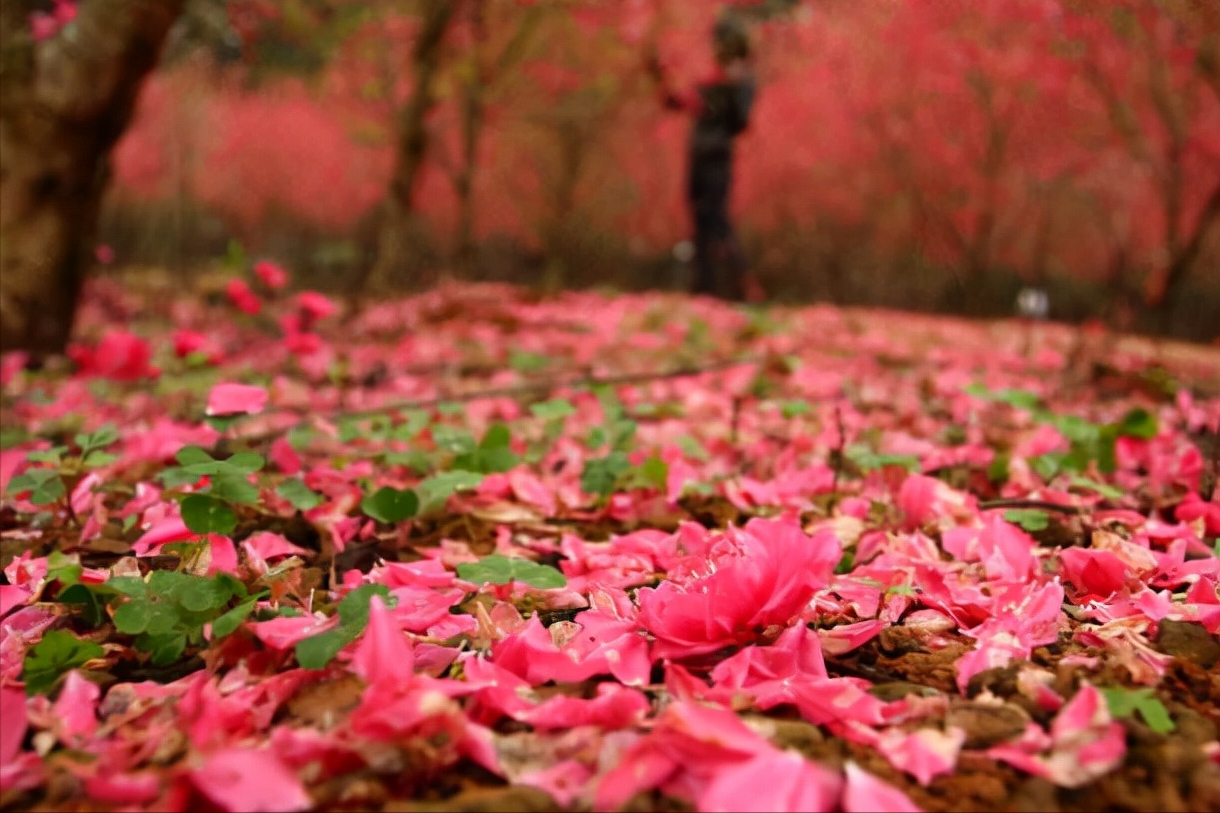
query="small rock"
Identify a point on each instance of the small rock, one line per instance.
(1188, 641)
(898, 689)
(987, 724)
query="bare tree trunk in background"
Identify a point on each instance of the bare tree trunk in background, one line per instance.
(479, 82)
(64, 103)
(472, 126)
(1182, 247)
(1184, 254)
(393, 242)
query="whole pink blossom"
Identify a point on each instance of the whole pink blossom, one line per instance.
(271, 274)
(239, 294)
(758, 586)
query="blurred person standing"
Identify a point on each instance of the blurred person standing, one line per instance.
(720, 108)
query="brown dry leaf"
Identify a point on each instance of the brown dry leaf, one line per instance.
(987, 724)
(503, 512)
(325, 704)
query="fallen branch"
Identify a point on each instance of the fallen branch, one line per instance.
(1016, 502)
(535, 389)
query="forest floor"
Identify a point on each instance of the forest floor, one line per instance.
(477, 550)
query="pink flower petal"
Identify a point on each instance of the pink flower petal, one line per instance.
(865, 793)
(784, 782)
(123, 788)
(924, 754)
(268, 545)
(236, 399)
(614, 707)
(76, 708)
(15, 720)
(270, 274)
(169, 530)
(315, 304)
(384, 655)
(245, 779)
(565, 781)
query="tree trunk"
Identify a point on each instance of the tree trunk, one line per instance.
(472, 127)
(1162, 282)
(392, 243)
(64, 102)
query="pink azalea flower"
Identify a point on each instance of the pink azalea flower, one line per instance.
(314, 305)
(187, 342)
(765, 582)
(270, 274)
(119, 356)
(240, 295)
(236, 399)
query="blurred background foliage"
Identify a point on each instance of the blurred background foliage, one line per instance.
(926, 154)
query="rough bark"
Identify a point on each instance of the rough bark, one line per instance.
(64, 102)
